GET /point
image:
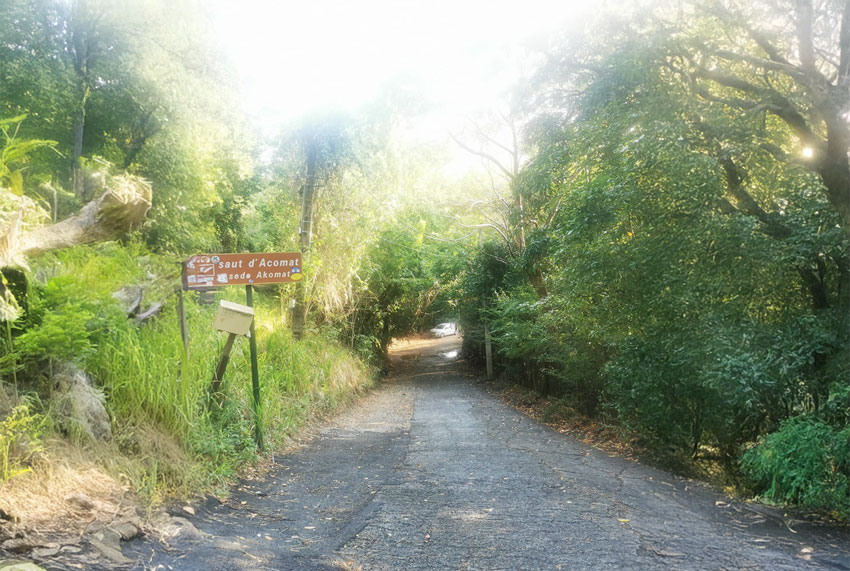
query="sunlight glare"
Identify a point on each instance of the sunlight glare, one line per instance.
(295, 57)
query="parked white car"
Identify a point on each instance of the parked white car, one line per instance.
(444, 329)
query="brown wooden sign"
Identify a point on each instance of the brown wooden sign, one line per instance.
(216, 270)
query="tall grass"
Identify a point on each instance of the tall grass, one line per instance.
(168, 437)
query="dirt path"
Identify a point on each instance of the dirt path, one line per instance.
(431, 472)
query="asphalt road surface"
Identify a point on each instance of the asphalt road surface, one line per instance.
(431, 472)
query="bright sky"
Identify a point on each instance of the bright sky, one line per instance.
(296, 56)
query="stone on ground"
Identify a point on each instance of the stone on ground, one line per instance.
(81, 405)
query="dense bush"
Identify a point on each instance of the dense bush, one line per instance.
(806, 462)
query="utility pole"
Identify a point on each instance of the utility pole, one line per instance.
(488, 351)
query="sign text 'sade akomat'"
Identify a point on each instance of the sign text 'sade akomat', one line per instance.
(216, 270)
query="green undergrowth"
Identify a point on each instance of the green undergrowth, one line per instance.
(170, 438)
(806, 462)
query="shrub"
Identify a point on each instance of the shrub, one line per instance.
(805, 462)
(20, 441)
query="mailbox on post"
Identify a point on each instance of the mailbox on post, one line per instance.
(233, 318)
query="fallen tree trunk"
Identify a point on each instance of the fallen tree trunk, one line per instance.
(122, 207)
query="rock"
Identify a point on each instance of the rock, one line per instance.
(130, 298)
(152, 311)
(70, 549)
(109, 552)
(108, 543)
(80, 501)
(108, 537)
(127, 530)
(80, 404)
(44, 552)
(19, 545)
(6, 516)
(180, 529)
(11, 565)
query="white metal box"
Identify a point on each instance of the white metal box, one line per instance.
(233, 317)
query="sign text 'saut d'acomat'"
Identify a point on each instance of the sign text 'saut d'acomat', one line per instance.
(217, 270)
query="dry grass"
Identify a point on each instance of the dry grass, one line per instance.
(74, 487)
(65, 494)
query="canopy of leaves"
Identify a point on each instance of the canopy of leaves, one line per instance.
(697, 261)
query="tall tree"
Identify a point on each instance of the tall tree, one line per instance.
(698, 253)
(140, 85)
(496, 143)
(326, 147)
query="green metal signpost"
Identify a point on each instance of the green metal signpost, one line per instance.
(255, 374)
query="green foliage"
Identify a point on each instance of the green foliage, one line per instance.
(805, 462)
(157, 102)
(487, 273)
(697, 274)
(186, 196)
(61, 335)
(298, 379)
(168, 440)
(374, 269)
(73, 311)
(406, 278)
(20, 441)
(15, 153)
(667, 258)
(37, 79)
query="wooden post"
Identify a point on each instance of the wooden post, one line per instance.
(215, 386)
(488, 351)
(255, 373)
(184, 329)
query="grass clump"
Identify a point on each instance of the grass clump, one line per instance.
(20, 441)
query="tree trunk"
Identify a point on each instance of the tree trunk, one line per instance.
(81, 47)
(147, 129)
(538, 282)
(299, 312)
(121, 208)
(77, 151)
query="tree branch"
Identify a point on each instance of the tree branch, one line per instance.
(490, 139)
(498, 230)
(766, 64)
(496, 192)
(773, 101)
(120, 208)
(486, 156)
(804, 35)
(747, 204)
(759, 38)
(843, 80)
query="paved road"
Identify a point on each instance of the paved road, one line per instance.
(431, 472)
